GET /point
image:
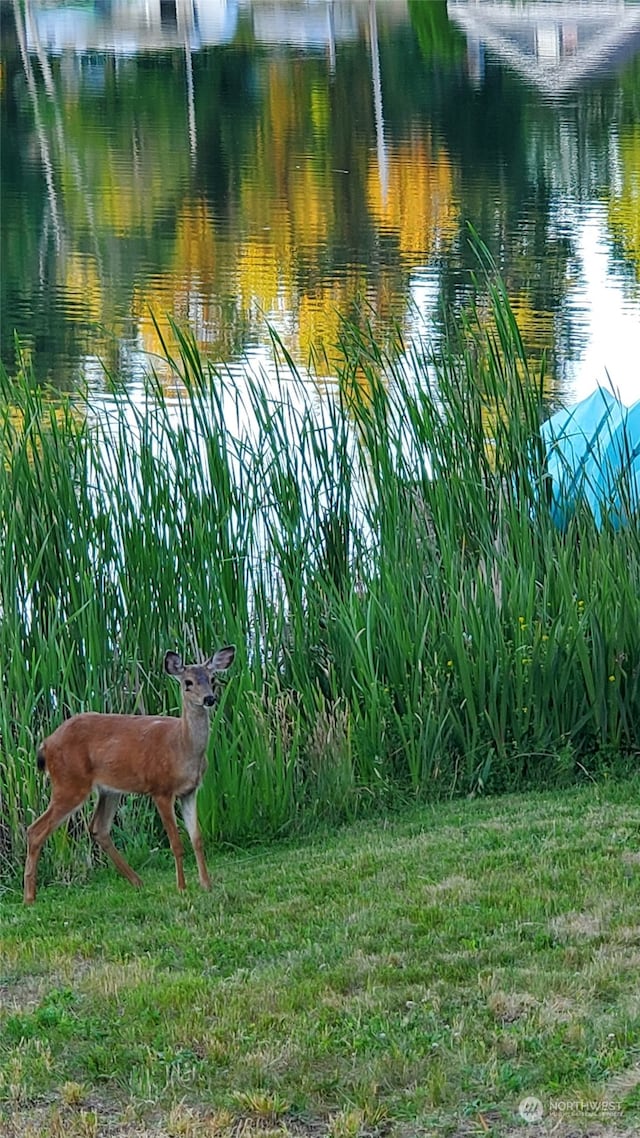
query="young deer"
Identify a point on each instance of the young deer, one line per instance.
(162, 756)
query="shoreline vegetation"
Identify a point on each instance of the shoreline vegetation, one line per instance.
(411, 625)
(424, 916)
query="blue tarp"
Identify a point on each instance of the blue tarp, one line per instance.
(593, 456)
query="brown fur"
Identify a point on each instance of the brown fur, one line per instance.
(162, 756)
(103, 746)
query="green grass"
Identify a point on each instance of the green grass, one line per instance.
(421, 975)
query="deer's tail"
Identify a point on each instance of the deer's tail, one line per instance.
(40, 758)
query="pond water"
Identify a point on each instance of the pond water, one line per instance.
(234, 164)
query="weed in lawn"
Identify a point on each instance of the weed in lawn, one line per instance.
(264, 1105)
(73, 1094)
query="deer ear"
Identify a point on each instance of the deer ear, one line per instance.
(222, 659)
(173, 664)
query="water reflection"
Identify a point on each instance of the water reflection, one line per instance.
(225, 163)
(128, 27)
(555, 47)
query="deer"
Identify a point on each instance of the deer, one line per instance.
(162, 756)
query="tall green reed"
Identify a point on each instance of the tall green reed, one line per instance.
(409, 621)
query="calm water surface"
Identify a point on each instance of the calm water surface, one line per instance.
(232, 164)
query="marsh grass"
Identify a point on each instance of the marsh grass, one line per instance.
(410, 624)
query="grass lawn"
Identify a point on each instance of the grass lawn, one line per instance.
(416, 976)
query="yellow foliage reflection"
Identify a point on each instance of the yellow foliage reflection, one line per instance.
(311, 204)
(258, 276)
(319, 327)
(624, 210)
(188, 293)
(289, 202)
(418, 203)
(535, 325)
(195, 255)
(83, 290)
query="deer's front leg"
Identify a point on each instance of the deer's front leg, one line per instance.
(190, 814)
(165, 806)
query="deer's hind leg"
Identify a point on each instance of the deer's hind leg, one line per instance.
(59, 808)
(100, 829)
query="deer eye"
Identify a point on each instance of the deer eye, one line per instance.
(188, 683)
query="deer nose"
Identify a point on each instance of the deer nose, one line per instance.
(209, 700)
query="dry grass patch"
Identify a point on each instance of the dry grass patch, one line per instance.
(181, 1121)
(508, 1007)
(623, 1083)
(455, 888)
(22, 993)
(107, 979)
(558, 1010)
(577, 927)
(555, 1128)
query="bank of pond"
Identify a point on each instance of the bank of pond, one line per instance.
(410, 620)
